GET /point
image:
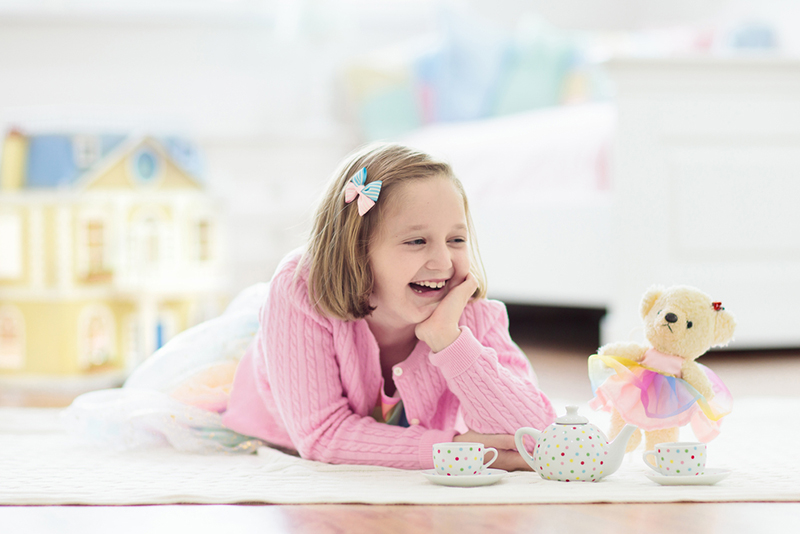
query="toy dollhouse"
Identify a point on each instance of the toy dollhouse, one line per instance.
(109, 245)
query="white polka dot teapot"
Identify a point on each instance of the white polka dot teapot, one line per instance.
(572, 449)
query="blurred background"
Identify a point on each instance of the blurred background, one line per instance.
(161, 156)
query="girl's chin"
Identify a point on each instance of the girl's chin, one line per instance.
(420, 314)
(426, 314)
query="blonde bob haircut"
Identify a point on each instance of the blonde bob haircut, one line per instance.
(340, 279)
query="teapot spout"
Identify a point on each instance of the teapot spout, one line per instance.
(617, 449)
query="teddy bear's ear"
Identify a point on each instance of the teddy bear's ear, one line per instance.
(723, 328)
(650, 297)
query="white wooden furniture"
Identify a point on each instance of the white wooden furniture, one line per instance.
(706, 190)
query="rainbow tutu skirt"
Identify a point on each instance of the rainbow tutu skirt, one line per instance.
(653, 400)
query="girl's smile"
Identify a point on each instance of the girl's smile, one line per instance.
(428, 287)
(419, 253)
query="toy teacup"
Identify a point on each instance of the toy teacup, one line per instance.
(461, 458)
(678, 458)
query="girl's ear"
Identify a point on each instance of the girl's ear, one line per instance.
(650, 297)
(724, 325)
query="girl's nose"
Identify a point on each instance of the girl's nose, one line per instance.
(440, 258)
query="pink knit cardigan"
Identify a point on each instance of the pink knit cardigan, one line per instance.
(310, 383)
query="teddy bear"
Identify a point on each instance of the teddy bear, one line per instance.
(660, 387)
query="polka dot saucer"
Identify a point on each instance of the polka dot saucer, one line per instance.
(708, 478)
(490, 477)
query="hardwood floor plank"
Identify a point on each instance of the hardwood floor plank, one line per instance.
(686, 518)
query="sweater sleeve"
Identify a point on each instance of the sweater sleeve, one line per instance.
(491, 377)
(304, 377)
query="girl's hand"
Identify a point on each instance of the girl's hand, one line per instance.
(440, 329)
(508, 456)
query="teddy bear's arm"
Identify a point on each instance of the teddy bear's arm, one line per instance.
(632, 351)
(697, 378)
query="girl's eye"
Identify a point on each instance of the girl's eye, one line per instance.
(416, 242)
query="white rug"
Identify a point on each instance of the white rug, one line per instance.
(39, 464)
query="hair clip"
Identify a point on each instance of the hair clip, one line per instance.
(717, 306)
(367, 194)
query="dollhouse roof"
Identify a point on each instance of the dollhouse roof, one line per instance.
(52, 158)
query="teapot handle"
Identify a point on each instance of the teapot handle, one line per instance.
(526, 431)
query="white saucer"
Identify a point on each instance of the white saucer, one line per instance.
(466, 481)
(709, 477)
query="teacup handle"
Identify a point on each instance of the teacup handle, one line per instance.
(486, 450)
(654, 465)
(526, 431)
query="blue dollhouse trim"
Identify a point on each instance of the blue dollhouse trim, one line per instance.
(51, 159)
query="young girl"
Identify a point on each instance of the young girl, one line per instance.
(376, 341)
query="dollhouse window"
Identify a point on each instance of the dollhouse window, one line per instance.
(146, 165)
(96, 336)
(95, 245)
(166, 328)
(86, 150)
(93, 260)
(12, 338)
(150, 240)
(11, 251)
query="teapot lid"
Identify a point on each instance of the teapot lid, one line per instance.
(572, 417)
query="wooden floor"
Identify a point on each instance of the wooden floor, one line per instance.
(560, 362)
(722, 518)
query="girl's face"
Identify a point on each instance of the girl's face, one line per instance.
(419, 253)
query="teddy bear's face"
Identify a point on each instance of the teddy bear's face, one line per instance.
(684, 322)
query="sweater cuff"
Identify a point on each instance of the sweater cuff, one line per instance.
(426, 445)
(459, 356)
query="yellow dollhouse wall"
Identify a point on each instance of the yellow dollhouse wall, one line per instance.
(116, 177)
(120, 175)
(175, 179)
(54, 337)
(63, 312)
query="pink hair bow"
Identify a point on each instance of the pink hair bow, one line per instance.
(367, 193)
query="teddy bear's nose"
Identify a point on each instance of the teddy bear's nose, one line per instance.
(671, 318)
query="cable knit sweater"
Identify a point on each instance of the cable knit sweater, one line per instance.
(310, 383)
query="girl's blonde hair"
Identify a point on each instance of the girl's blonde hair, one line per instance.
(340, 278)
